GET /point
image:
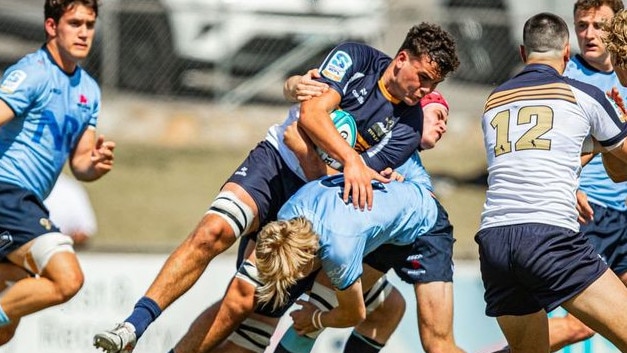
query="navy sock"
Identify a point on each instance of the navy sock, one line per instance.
(360, 344)
(145, 312)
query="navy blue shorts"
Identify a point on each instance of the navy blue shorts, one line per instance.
(23, 217)
(529, 267)
(428, 259)
(608, 234)
(267, 179)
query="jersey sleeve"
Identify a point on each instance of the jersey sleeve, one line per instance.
(607, 124)
(22, 86)
(342, 64)
(610, 134)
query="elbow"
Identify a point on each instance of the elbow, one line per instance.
(615, 167)
(618, 178)
(355, 318)
(358, 319)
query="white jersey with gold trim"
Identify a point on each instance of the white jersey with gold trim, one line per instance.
(534, 126)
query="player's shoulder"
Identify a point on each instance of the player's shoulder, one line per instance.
(356, 47)
(35, 63)
(87, 80)
(539, 80)
(31, 71)
(352, 56)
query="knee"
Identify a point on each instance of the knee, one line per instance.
(439, 342)
(438, 345)
(7, 332)
(68, 286)
(396, 304)
(239, 299)
(212, 236)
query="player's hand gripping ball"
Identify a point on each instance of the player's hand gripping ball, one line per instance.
(346, 126)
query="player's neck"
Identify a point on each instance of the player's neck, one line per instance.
(603, 66)
(558, 64)
(67, 65)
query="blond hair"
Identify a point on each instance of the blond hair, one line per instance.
(615, 38)
(284, 250)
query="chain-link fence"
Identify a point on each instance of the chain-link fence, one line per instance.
(240, 50)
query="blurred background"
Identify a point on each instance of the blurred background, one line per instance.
(190, 86)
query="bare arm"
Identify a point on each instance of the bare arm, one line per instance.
(297, 140)
(586, 158)
(6, 113)
(92, 157)
(615, 163)
(314, 120)
(351, 311)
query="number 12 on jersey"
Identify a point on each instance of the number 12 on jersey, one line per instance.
(538, 120)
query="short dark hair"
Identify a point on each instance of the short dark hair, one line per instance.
(615, 5)
(431, 40)
(545, 32)
(56, 8)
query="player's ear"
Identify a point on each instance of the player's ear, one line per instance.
(523, 54)
(567, 53)
(401, 58)
(50, 26)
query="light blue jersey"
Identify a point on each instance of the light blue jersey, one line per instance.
(401, 212)
(52, 110)
(593, 179)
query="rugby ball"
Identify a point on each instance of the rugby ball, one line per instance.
(346, 126)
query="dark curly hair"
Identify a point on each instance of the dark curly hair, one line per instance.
(56, 8)
(431, 40)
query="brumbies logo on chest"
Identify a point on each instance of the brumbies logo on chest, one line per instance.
(381, 129)
(336, 67)
(377, 133)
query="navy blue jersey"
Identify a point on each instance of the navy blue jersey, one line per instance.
(388, 129)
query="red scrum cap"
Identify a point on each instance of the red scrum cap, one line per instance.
(434, 97)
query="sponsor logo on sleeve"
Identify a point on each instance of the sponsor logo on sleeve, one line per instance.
(13, 81)
(337, 66)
